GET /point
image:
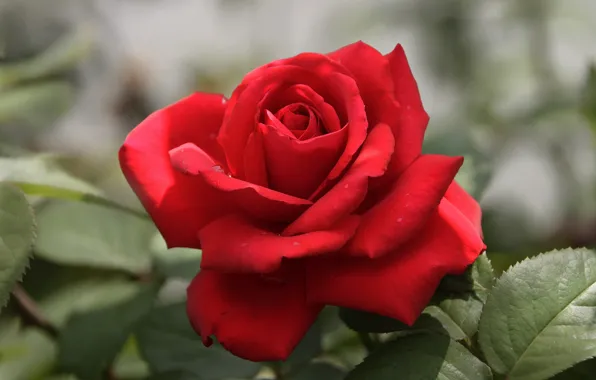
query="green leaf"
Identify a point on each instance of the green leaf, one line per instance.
(17, 233)
(36, 104)
(421, 356)
(54, 192)
(539, 317)
(319, 371)
(431, 319)
(90, 342)
(462, 298)
(44, 170)
(85, 234)
(478, 279)
(29, 354)
(63, 55)
(464, 313)
(588, 96)
(129, 364)
(170, 345)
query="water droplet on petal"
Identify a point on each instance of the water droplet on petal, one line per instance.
(346, 186)
(296, 244)
(223, 100)
(218, 168)
(212, 136)
(399, 220)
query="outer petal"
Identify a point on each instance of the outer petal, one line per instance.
(406, 89)
(411, 201)
(351, 190)
(412, 119)
(234, 244)
(260, 202)
(409, 135)
(253, 317)
(371, 71)
(401, 284)
(466, 204)
(178, 205)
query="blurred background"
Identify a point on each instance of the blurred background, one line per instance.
(508, 84)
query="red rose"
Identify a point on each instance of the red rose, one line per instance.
(306, 188)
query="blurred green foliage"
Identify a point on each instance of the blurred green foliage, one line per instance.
(102, 298)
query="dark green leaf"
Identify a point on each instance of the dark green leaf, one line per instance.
(478, 279)
(362, 321)
(462, 298)
(90, 342)
(308, 348)
(74, 233)
(17, 233)
(584, 370)
(539, 317)
(432, 319)
(170, 345)
(319, 371)
(421, 356)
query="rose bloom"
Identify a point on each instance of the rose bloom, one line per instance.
(306, 188)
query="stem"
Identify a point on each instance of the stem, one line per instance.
(30, 311)
(277, 371)
(367, 341)
(31, 315)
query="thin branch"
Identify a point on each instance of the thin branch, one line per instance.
(30, 312)
(367, 341)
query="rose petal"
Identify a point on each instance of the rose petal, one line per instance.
(401, 284)
(371, 71)
(300, 93)
(259, 202)
(411, 121)
(298, 167)
(241, 115)
(234, 244)
(406, 89)
(409, 135)
(252, 317)
(357, 129)
(255, 167)
(411, 201)
(466, 204)
(349, 192)
(178, 205)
